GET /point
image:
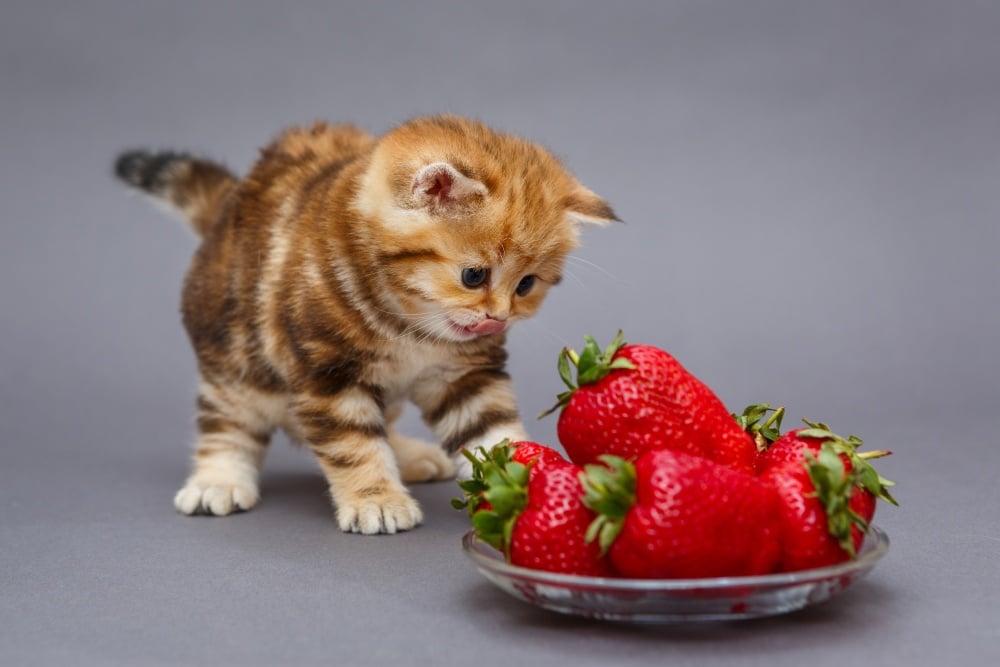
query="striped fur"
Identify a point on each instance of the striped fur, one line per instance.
(327, 291)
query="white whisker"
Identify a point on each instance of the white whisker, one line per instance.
(558, 340)
(589, 264)
(424, 326)
(574, 277)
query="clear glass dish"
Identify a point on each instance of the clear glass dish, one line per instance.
(675, 600)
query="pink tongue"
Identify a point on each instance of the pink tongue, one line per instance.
(488, 326)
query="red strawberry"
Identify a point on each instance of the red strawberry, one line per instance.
(863, 504)
(524, 452)
(632, 398)
(527, 452)
(674, 515)
(827, 492)
(533, 512)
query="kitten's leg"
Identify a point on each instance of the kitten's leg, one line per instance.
(347, 433)
(234, 427)
(476, 410)
(418, 461)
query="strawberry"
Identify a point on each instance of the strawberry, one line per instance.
(628, 399)
(527, 452)
(533, 512)
(523, 452)
(827, 493)
(675, 515)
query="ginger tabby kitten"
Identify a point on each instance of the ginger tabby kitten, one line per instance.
(346, 274)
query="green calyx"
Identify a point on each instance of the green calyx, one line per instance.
(863, 473)
(495, 495)
(833, 488)
(834, 485)
(609, 491)
(592, 364)
(764, 428)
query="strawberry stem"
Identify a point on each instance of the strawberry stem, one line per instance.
(863, 475)
(609, 490)
(592, 365)
(495, 495)
(764, 433)
(774, 419)
(874, 454)
(833, 488)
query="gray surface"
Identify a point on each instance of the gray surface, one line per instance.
(810, 192)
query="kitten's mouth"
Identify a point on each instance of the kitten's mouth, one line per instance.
(484, 327)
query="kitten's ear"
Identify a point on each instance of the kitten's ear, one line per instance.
(445, 190)
(586, 208)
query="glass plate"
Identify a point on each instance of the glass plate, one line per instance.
(674, 600)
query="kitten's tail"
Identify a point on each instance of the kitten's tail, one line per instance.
(194, 187)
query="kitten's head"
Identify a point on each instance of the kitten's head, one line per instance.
(469, 227)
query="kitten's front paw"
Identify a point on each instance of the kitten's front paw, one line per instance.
(388, 512)
(219, 499)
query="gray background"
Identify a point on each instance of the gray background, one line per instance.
(810, 192)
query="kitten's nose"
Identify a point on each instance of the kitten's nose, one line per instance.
(488, 326)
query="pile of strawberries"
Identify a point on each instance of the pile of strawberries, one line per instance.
(662, 482)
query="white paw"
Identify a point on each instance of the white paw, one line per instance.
(463, 467)
(217, 499)
(420, 461)
(431, 464)
(388, 513)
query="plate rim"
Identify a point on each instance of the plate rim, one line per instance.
(876, 545)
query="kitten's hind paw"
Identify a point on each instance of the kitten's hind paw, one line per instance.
(217, 499)
(389, 512)
(420, 461)
(463, 467)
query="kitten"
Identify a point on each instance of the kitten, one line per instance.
(346, 274)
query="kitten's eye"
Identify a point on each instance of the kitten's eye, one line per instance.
(525, 285)
(474, 277)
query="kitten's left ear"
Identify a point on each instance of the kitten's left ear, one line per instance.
(585, 207)
(445, 190)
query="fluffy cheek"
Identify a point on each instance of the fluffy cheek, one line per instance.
(421, 285)
(437, 291)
